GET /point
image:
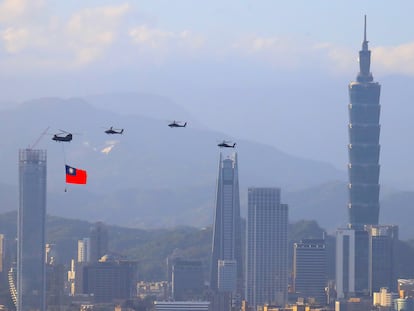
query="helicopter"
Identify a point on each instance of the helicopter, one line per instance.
(111, 130)
(226, 144)
(177, 124)
(60, 137)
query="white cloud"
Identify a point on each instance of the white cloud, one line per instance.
(160, 43)
(33, 37)
(49, 40)
(96, 26)
(296, 53)
(10, 10)
(14, 39)
(91, 30)
(396, 59)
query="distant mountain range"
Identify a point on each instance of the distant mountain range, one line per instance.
(154, 176)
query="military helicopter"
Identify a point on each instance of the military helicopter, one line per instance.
(60, 137)
(111, 130)
(177, 124)
(226, 144)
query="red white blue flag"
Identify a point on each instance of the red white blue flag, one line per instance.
(75, 175)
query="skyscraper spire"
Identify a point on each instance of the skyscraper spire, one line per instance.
(365, 43)
(364, 74)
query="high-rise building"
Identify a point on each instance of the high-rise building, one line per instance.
(365, 260)
(98, 241)
(110, 279)
(360, 267)
(382, 257)
(364, 148)
(84, 250)
(227, 230)
(310, 269)
(31, 230)
(267, 248)
(345, 262)
(187, 280)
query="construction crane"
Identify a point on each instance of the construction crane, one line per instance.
(39, 138)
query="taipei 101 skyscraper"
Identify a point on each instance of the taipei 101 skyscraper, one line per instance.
(364, 148)
(365, 250)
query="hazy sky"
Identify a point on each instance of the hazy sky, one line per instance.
(91, 40)
(276, 57)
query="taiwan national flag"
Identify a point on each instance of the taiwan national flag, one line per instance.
(75, 175)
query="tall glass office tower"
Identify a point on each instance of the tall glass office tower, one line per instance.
(226, 259)
(31, 230)
(365, 250)
(267, 248)
(364, 148)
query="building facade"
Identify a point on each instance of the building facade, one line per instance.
(382, 263)
(310, 269)
(31, 230)
(182, 306)
(187, 280)
(364, 148)
(345, 262)
(362, 269)
(227, 229)
(110, 280)
(98, 242)
(267, 248)
(84, 250)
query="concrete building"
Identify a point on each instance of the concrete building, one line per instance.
(267, 248)
(365, 260)
(187, 280)
(98, 242)
(84, 250)
(384, 298)
(382, 263)
(31, 230)
(310, 270)
(110, 279)
(345, 262)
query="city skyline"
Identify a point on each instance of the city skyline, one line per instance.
(361, 268)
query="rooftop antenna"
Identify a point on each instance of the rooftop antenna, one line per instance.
(365, 27)
(365, 42)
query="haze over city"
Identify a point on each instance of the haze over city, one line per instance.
(235, 66)
(269, 72)
(218, 156)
